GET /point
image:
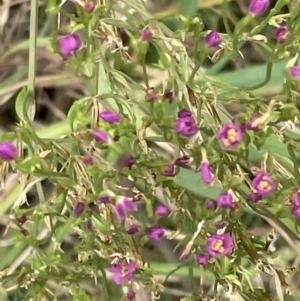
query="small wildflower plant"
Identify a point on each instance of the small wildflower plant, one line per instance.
(158, 162)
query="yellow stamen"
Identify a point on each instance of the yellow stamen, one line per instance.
(219, 246)
(264, 183)
(231, 136)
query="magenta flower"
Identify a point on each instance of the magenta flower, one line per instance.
(133, 230)
(151, 95)
(186, 126)
(161, 210)
(296, 198)
(255, 197)
(295, 72)
(281, 33)
(88, 160)
(69, 44)
(205, 172)
(230, 135)
(170, 96)
(202, 259)
(184, 113)
(247, 126)
(155, 233)
(110, 117)
(258, 7)
(130, 295)
(89, 7)
(8, 151)
(123, 272)
(210, 205)
(221, 224)
(21, 220)
(123, 204)
(296, 211)
(147, 35)
(263, 184)
(169, 171)
(128, 162)
(213, 39)
(79, 209)
(104, 199)
(89, 225)
(225, 200)
(219, 244)
(100, 136)
(183, 161)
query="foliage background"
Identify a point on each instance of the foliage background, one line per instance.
(57, 87)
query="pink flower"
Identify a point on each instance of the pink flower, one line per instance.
(183, 161)
(170, 96)
(186, 126)
(147, 35)
(296, 211)
(151, 95)
(79, 209)
(230, 135)
(123, 204)
(263, 184)
(69, 44)
(128, 162)
(205, 172)
(213, 39)
(110, 117)
(296, 198)
(281, 33)
(133, 230)
(225, 200)
(247, 126)
(21, 220)
(184, 113)
(104, 199)
(295, 72)
(8, 151)
(202, 259)
(255, 197)
(88, 160)
(210, 205)
(219, 244)
(258, 7)
(130, 295)
(89, 225)
(100, 136)
(155, 233)
(168, 171)
(161, 210)
(123, 272)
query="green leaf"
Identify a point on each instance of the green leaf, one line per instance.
(22, 104)
(192, 181)
(188, 8)
(288, 111)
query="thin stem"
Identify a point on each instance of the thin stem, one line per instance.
(195, 70)
(32, 45)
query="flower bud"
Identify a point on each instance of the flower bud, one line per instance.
(213, 39)
(295, 72)
(258, 7)
(161, 210)
(69, 44)
(100, 136)
(110, 117)
(8, 151)
(79, 209)
(281, 33)
(147, 35)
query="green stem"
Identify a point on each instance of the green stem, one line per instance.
(194, 72)
(267, 79)
(32, 45)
